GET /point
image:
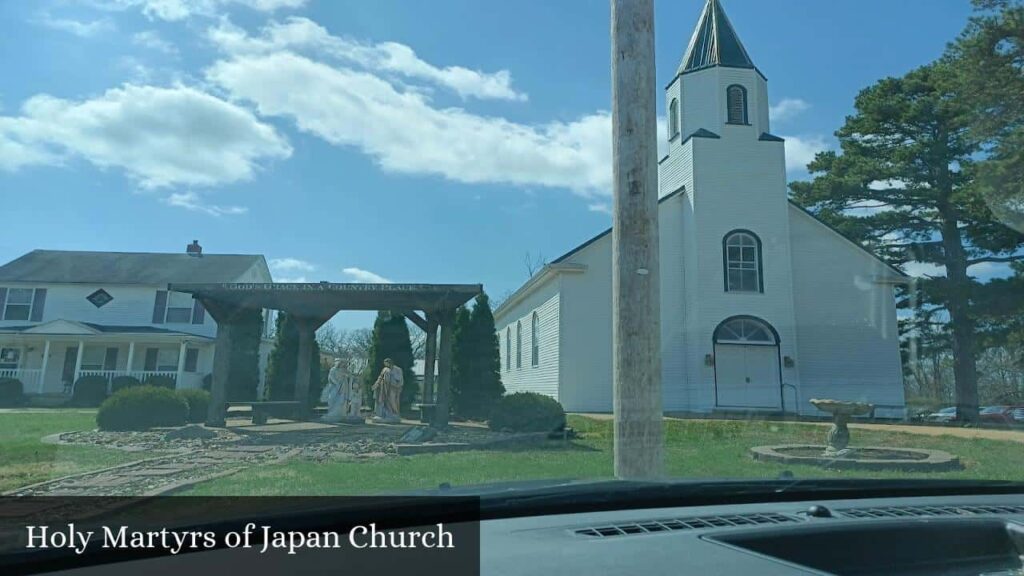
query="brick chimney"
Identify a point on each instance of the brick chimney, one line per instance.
(194, 249)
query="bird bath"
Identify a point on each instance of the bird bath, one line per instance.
(838, 455)
(839, 434)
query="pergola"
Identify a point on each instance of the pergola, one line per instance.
(429, 306)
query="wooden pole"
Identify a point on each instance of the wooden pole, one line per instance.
(221, 368)
(444, 369)
(430, 359)
(302, 366)
(636, 315)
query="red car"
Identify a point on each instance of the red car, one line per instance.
(998, 414)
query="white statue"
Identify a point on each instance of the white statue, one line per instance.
(388, 393)
(343, 395)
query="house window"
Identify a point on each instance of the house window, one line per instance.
(742, 255)
(99, 298)
(534, 341)
(519, 344)
(736, 100)
(19, 304)
(508, 349)
(179, 308)
(673, 119)
(10, 358)
(191, 359)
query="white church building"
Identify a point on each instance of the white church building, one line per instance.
(763, 306)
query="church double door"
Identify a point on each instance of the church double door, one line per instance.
(747, 376)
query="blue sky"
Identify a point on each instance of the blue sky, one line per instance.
(356, 141)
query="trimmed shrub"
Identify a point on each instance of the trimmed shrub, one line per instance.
(140, 408)
(527, 412)
(198, 403)
(122, 382)
(89, 391)
(160, 381)
(12, 392)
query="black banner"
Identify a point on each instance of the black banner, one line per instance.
(260, 535)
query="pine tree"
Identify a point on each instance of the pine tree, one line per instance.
(390, 340)
(476, 370)
(283, 362)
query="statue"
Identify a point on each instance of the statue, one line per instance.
(343, 395)
(387, 392)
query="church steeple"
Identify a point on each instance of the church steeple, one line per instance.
(714, 42)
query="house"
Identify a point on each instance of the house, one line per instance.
(66, 314)
(763, 306)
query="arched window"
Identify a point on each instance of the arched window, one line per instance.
(673, 119)
(742, 255)
(534, 341)
(519, 344)
(745, 330)
(508, 348)
(736, 100)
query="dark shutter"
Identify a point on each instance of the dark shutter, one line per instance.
(110, 359)
(198, 312)
(3, 302)
(160, 307)
(150, 364)
(191, 359)
(38, 303)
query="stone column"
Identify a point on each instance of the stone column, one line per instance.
(307, 335)
(444, 366)
(221, 368)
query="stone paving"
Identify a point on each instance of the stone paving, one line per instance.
(180, 462)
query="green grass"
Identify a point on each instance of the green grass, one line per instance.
(25, 460)
(694, 449)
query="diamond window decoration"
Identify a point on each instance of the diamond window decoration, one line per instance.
(99, 298)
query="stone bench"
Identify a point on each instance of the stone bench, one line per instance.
(261, 410)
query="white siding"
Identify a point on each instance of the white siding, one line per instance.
(543, 378)
(846, 322)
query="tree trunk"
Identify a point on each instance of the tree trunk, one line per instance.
(965, 372)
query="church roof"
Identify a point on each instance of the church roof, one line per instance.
(714, 42)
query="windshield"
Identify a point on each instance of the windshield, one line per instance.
(304, 248)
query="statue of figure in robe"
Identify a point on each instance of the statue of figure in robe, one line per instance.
(343, 395)
(387, 392)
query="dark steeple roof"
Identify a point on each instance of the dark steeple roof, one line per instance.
(714, 42)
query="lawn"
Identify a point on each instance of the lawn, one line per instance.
(694, 449)
(25, 460)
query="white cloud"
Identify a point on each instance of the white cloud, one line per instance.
(291, 265)
(151, 39)
(78, 28)
(921, 269)
(602, 207)
(406, 134)
(365, 276)
(800, 150)
(301, 34)
(787, 109)
(192, 201)
(158, 136)
(175, 10)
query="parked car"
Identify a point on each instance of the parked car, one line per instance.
(944, 415)
(997, 414)
(1018, 415)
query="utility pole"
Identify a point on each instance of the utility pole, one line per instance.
(636, 307)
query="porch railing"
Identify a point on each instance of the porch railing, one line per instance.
(30, 379)
(141, 375)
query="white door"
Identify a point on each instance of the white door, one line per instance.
(747, 376)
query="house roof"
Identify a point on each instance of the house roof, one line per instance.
(714, 42)
(62, 266)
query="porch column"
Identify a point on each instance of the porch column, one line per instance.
(181, 365)
(131, 357)
(444, 365)
(46, 360)
(78, 362)
(430, 359)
